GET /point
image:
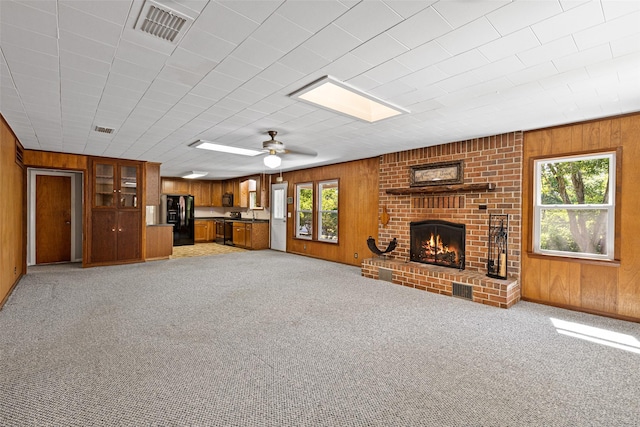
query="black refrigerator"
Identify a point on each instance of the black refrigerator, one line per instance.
(177, 210)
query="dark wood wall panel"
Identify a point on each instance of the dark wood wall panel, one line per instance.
(610, 289)
(358, 210)
(13, 225)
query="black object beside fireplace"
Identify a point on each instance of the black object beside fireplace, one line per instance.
(438, 242)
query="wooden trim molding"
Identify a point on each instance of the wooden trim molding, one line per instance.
(486, 186)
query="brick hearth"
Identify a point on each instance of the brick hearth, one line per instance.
(432, 278)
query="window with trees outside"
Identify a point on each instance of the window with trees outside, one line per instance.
(574, 206)
(304, 210)
(328, 211)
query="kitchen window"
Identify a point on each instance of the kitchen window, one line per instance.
(304, 211)
(574, 206)
(328, 211)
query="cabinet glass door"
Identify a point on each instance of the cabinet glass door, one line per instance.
(128, 186)
(104, 185)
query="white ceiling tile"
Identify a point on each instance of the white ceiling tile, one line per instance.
(521, 14)
(499, 68)
(615, 9)
(389, 71)
(625, 46)
(129, 83)
(29, 19)
(10, 34)
(34, 86)
(236, 68)
(407, 8)
(302, 60)
(424, 77)
(331, 42)
(469, 36)
(22, 68)
(459, 13)
(533, 74)
(86, 47)
(225, 23)
(280, 33)
(280, 74)
(345, 68)
(564, 78)
(48, 6)
(511, 44)
(420, 28)
(213, 94)
(72, 60)
(109, 10)
(312, 15)
(206, 45)
(256, 53)
(458, 82)
(549, 51)
(583, 58)
(462, 63)
(120, 66)
(570, 4)
(423, 56)
(79, 76)
(89, 26)
(368, 19)
(180, 76)
(140, 55)
(615, 29)
(256, 10)
(568, 22)
(181, 58)
(379, 49)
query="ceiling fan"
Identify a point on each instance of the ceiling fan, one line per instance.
(274, 148)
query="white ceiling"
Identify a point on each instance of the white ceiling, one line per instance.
(464, 69)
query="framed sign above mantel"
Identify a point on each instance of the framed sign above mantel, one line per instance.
(442, 173)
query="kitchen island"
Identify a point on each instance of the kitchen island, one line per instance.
(242, 232)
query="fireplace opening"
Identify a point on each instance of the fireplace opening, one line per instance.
(438, 242)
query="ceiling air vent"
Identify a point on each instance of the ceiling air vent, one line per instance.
(103, 129)
(162, 22)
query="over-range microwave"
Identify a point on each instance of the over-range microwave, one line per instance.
(227, 200)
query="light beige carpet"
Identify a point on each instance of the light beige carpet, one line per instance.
(203, 249)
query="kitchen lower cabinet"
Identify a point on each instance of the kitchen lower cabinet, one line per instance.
(115, 236)
(251, 235)
(204, 230)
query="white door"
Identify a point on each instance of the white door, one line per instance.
(279, 217)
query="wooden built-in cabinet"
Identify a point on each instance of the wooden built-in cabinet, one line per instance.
(116, 216)
(251, 235)
(175, 186)
(209, 193)
(201, 192)
(204, 230)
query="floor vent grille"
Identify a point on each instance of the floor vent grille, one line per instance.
(462, 291)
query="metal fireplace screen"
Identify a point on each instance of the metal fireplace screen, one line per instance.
(438, 242)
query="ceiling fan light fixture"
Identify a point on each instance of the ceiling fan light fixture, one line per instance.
(335, 95)
(272, 161)
(208, 145)
(195, 174)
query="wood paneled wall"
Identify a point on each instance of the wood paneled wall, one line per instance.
(358, 210)
(597, 287)
(13, 227)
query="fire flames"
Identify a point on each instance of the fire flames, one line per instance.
(435, 249)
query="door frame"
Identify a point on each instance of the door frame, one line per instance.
(284, 185)
(77, 191)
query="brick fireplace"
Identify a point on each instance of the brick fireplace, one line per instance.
(491, 184)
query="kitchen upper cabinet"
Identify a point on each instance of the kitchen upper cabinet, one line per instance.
(201, 191)
(216, 193)
(175, 186)
(233, 186)
(115, 214)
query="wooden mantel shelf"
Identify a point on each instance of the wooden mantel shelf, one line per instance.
(487, 186)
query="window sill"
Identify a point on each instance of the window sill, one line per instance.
(605, 263)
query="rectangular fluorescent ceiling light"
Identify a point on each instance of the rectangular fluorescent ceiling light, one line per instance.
(206, 145)
(334, 95)
(194, 174)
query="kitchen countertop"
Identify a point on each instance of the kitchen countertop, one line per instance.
(228, 219)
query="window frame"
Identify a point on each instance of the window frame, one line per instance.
(319, 211)
(298, 211)
(610, 207)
